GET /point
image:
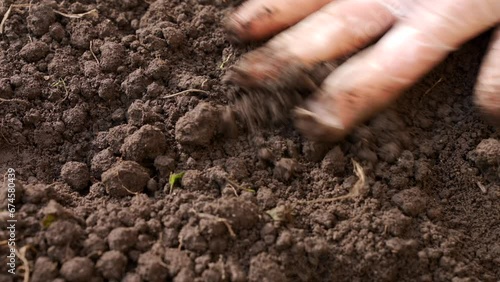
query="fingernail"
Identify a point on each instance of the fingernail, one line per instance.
(235, 28)
(325, 111)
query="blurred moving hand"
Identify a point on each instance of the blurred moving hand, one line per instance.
(416, 36)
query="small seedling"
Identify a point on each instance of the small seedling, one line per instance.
(174, 179)
(222, 65)
(236, 186)
(48, 220)
(61, 84)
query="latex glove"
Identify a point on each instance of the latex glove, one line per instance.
(416, 36)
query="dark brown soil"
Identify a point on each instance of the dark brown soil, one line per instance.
(89, 128)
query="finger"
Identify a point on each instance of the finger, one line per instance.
(370, 81)
(339, 28)
(488, 84)
(258, 19)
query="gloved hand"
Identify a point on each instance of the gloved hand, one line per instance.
(416, 36)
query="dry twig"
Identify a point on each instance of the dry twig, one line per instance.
(434, 85)
(7, 14)
(184, 92)
(237, 186)
(218, 219)
(2, 100)
(224, 62)
(21, 254)
(77, 16)
(482, 187)
(92, 52)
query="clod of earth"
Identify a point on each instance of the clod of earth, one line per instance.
(145, 144)
(198, 126)
(125, 178)
(76, 175)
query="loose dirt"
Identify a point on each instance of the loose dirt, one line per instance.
(94, 137)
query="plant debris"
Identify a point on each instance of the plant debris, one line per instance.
(355, 190)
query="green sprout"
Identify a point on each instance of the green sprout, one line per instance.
(174, 179)
(48, 220)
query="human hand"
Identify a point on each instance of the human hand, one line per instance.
(417, 35)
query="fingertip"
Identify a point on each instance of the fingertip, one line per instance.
(235, 28)
(320, 120)
(487, 90)
(488, 103)
(311, 126)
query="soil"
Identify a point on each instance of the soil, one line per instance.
(93, 136)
